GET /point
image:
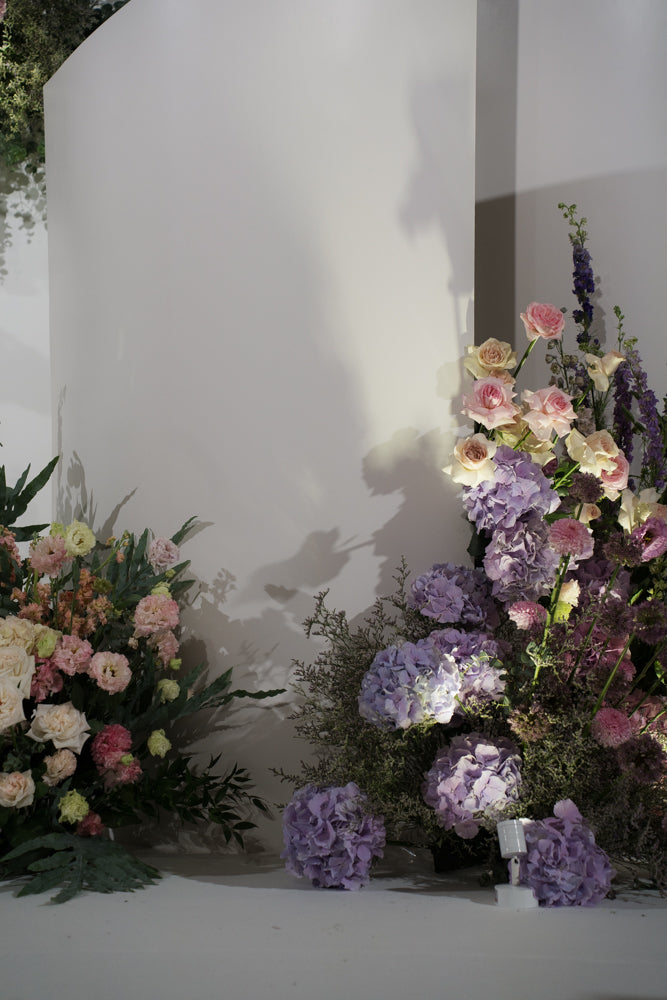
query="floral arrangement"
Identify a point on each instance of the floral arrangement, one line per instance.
(530, 684)
(91, 687)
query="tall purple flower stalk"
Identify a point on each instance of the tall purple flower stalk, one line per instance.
(584, 287)
(631, 383)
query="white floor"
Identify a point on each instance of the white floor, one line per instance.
(241, 928)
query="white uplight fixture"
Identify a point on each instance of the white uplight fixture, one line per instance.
(512, 841)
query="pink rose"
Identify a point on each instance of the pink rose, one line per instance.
(111, 671)
(615, 482)
(549, 410)
(490, 402)
(72, 655)
(162, 554)
(155, 613)
(543, 320)
(48, 555)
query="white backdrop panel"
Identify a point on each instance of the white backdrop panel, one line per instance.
(261, 265)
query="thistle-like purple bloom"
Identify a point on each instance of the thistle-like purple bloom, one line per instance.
(520, 562)
(450, 593)
(564, 866)
(409, 684)
(519, 488)
(472, 779)
(330, 837)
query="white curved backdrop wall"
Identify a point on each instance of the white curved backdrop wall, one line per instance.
(261, 267)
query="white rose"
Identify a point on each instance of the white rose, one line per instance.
(473, 461)
(17, 632)
(18, 666)
(17, 789)
(64, 725)
(595, 453)
(11, 704)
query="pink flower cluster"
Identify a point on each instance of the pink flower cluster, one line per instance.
(110, 751)
(48, 555)
(155, 613)
(46, 680)
(527, 615)
(163, 554)
(72, 655)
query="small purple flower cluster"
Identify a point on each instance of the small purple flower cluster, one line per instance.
(472, 779)
(330, 837)
(409, 684)
(564, 866)
(449, 593)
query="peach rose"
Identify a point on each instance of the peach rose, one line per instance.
(490, 402)
(543, 320)
(473, 460)
(17, 789)
(548, 410)
(490, 358)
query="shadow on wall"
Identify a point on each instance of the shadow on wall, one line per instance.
(22, 207)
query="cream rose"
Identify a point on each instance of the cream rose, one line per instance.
(64, 725)
(473, 460)
(601, 369)
(17, 789)
(17, 632)
(79, 539)
(593, 453)
(17, 666)
(490, 358)
(569, 593)
(11, 704)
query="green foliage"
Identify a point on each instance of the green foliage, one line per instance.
(14, 500)
(76, 864)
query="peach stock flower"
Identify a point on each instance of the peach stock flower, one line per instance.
(541, 319)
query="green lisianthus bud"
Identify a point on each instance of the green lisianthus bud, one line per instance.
(161, 588)
(168, 690)
(46, 642)
(73, 807)
(158, 744)
(127, 759)
(57, 529)
(175, 663)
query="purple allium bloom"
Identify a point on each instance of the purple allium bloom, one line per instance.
(409, 684)
(520, 562)
(644, 756)
(564, 866)
(330, 837)
(652, 536)
(519, 487)
(472, 779)
(586, 488)
(450, 593)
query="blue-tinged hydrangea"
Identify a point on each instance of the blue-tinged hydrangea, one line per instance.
(472, 780)
(564, 866)
(520, 562)
(474, 653)
(519, 488)
(449, 593)
(409, 684)
(330, 837)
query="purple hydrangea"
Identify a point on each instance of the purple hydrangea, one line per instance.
(518, 489)
(449, 593)
(473, 653)
(564, 866)
(409, 684)
(330, 837)
(520, 562)
(472, 779)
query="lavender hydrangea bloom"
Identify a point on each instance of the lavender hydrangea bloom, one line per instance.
(330, 837)
(564, 866)
(450, 593)
(473, 653)
(520, 562)
(472, 779)
(519, 487)
(409, 684)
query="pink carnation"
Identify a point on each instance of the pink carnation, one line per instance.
(611, 728)
(90, 826)
(490, 402)
(568, 537)
(155, 613)
(166, 645)
(123, 774)
(48, 555)
(549, 410)
(110, 744)
(46, 680)
(72, 655)
(541, 319)
(111, 671)
(527, 615)
(162, 554)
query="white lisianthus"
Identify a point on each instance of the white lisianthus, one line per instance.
(79, 539)
(473, 461)
(64, 725)
(601, 369)
(17, 789)
(11, 704)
